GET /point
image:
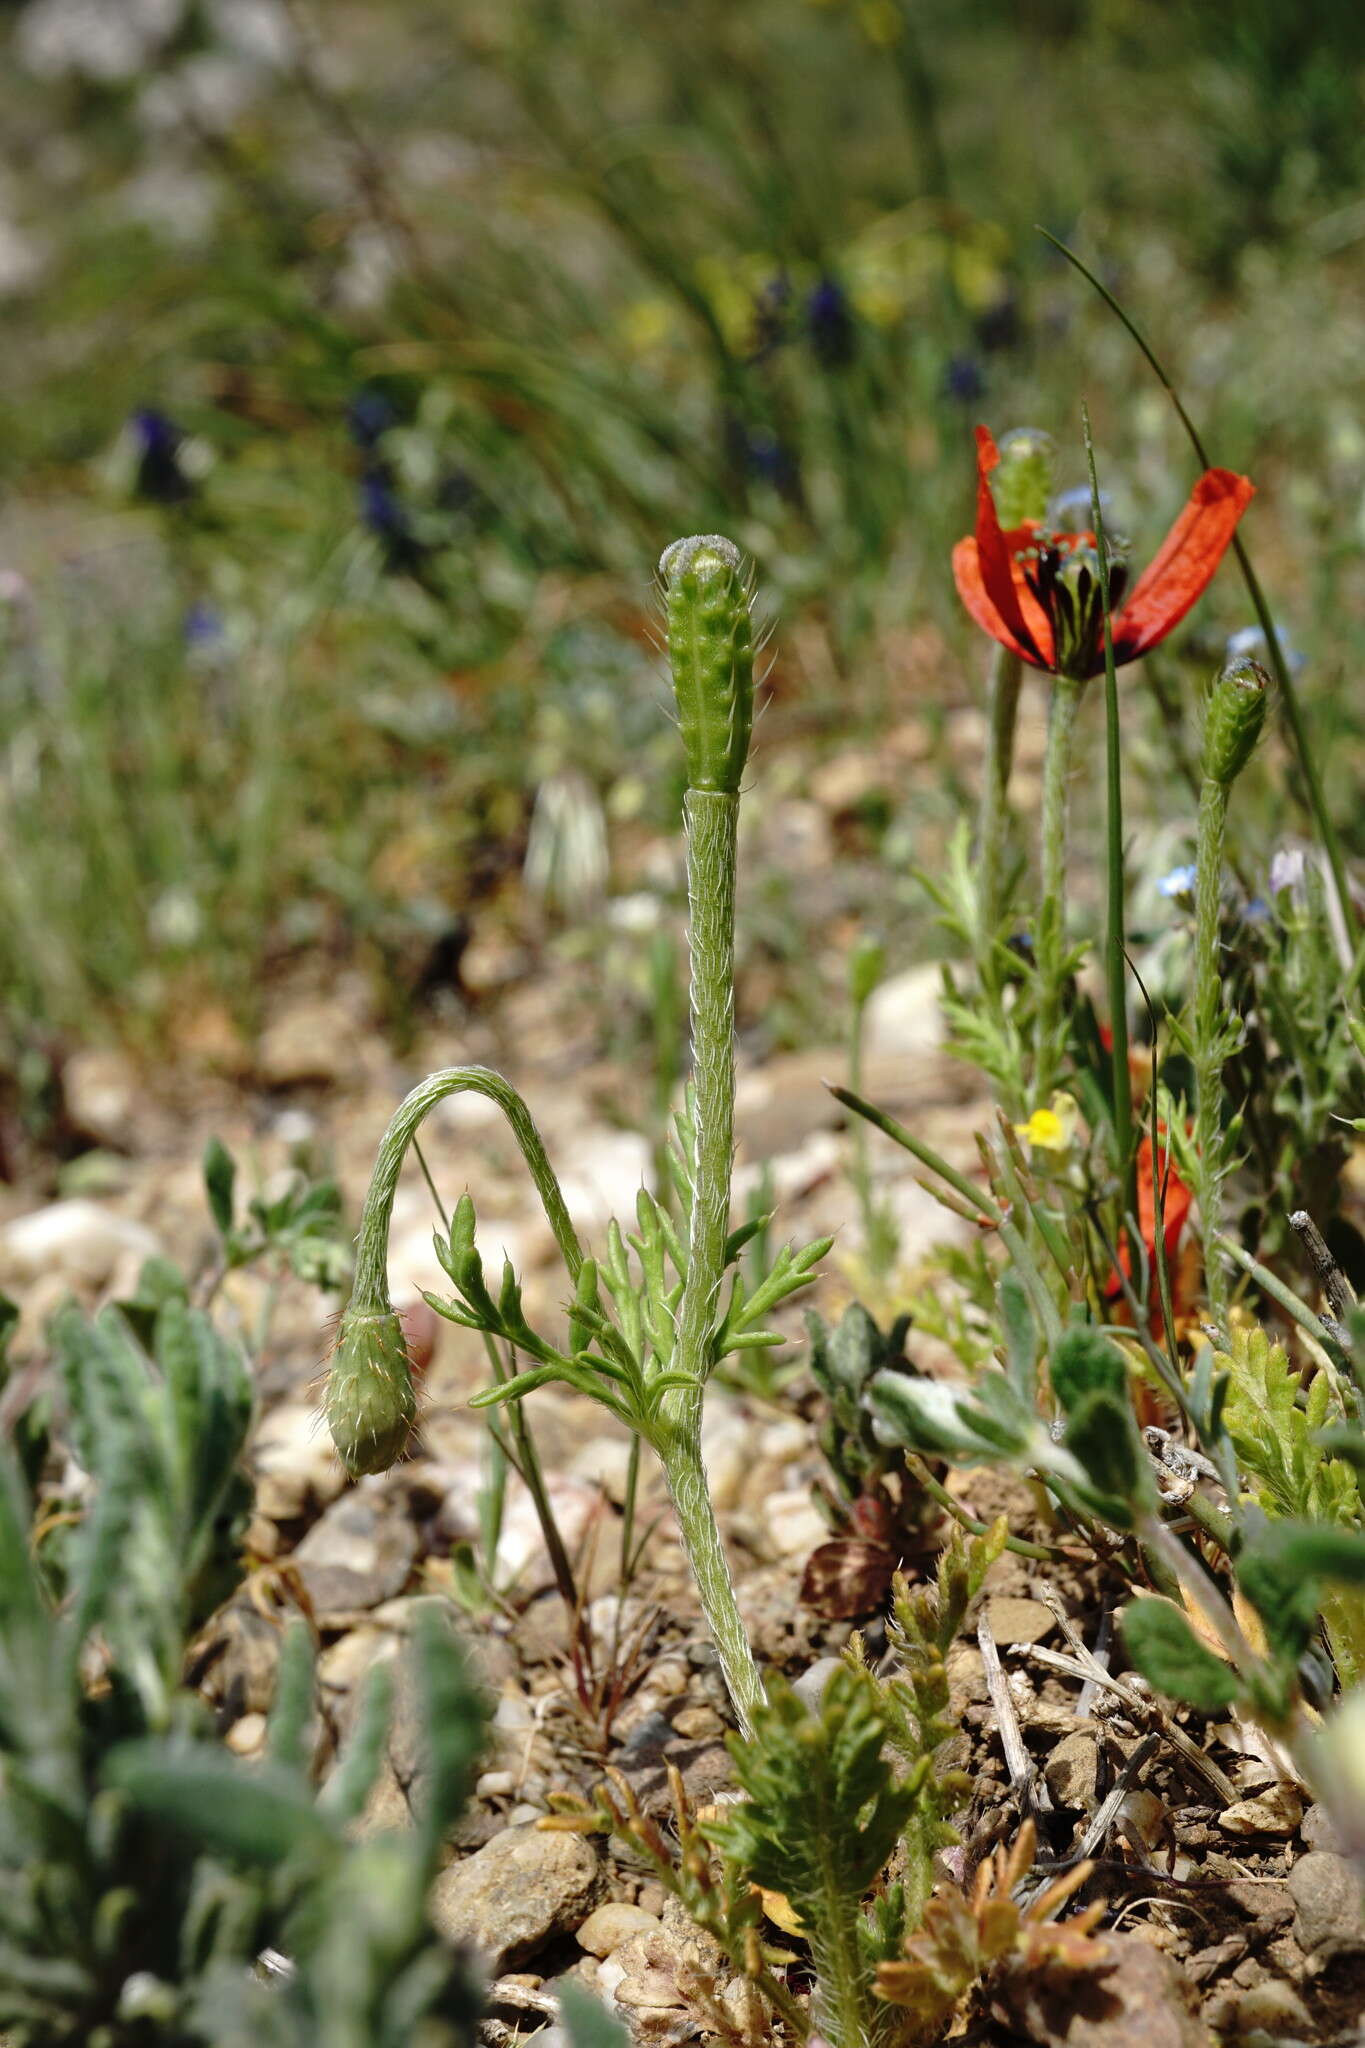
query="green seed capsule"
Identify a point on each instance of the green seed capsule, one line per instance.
(371, 1406)
(711, 654)
(1022, 484)
(1234, 719)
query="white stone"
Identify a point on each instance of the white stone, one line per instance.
(727, 1447)
(77, 1240)
(905, 1015)
(605, 1170)
(605, 1929)
(295, 1462)
(794, 1524)
(521, 1555)
(100, 1088)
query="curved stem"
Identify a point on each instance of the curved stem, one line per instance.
(372, 1253)
(1051, 931)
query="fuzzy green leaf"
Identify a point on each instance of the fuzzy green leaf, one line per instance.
(1165, 1649)
(1102, 1436)
(587, 2023)
(1083, 1362)
(220, 1182)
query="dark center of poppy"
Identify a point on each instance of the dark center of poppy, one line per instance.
(1063, 572)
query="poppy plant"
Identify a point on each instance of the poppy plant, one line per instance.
(1037, 590)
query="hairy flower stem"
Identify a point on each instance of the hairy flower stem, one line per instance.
(1050, 1026)
(1210, 1038)
(371, 1288)
(994, 821)
(712, 819)
(841, 1976)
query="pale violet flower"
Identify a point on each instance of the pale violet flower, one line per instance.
(1248, 644)
(1179, 882)
(1287, 870)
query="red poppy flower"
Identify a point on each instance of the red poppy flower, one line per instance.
(1176, 1201)
(1037, 591)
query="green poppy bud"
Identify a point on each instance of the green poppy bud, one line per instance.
(1234, 719)
(866, 966)
(371, 1406)
(1022, 485)
(707, 598)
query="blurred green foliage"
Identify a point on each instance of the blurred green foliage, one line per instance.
(359, 359)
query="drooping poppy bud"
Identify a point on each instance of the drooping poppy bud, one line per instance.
(1023, 480)
(707, 599)
(371, 1406)
(1234, 720)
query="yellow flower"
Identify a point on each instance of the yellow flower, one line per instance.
(1052, 1129)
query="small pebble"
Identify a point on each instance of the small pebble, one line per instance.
(1145, 1816)
(247, 1736)
(697, 1723)
(810, 1686)
(609, 1926)
(1018, 1621)
(1275, 2009)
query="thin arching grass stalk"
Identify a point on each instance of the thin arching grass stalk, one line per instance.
(532, 1475)
(1116, 958)
(1280, 668)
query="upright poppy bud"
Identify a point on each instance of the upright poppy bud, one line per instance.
(1234, 719)
(707, 599)
(1023, 481)
(371, 1406)
(866, 967)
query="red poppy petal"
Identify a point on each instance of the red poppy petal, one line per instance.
(1185, 563)
(1176, 1198)
(996, 562)
(972, 590)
